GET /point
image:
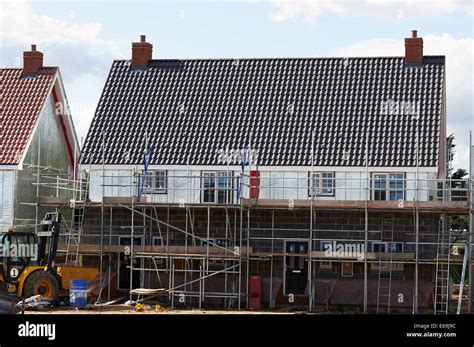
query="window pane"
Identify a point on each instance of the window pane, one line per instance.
(379, 247)
(223, 186)
(160, 180)
(380, 185)
(396, 181)
(222, 196)
(154, 182)
(316, 186)
(323, 183)
(396, 195)
(380, 181)
(209, 180)
(208, 195)
(327, 182)
(396, 186)
(223, 180)
(209, 187)
(147, 181)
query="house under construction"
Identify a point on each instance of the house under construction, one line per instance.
(261, 183)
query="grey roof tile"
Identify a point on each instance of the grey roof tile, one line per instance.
(189, 110)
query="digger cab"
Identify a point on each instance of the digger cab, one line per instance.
(28, 260)
(20, 250)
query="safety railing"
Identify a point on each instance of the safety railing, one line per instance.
(228, 187)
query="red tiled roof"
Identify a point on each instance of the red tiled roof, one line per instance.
(21, 103)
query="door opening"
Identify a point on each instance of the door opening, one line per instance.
(296, 273)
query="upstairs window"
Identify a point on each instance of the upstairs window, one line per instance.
(322, 184)
(216, 187)
(154, 182)
(388, 186)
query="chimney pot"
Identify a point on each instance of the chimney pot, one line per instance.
(141, 52)
(414, 49)
(32, 61)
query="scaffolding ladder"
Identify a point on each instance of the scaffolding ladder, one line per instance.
(463, 277)
(443, 257)
(78, 207)
(385, 272)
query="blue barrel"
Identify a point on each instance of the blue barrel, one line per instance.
(78, 293)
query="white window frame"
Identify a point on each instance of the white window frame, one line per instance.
(217, 175)
(320, 190)
(153, 177)
(387, 189)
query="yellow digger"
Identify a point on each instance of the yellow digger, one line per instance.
(28, 263)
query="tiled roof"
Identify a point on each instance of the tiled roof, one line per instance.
(21, 103)
(187, 111)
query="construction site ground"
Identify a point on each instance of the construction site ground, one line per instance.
(152, 309)
(149, 309)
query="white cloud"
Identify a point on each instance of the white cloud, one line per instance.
(84, 57)
(379, 9)
(459, 79)
(22, 26)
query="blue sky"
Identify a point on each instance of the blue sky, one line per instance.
(83, 37)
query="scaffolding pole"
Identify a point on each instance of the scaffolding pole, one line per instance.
(102, 218)
(417, 218)
(271, 260)
(366, 218)
(310, 262)
(470, 247)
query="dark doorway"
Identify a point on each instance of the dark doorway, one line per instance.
(296, 276)
(124, 263)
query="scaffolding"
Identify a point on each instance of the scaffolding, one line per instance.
(158, 268)
(180, 273)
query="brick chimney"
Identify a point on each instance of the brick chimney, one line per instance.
(32, 61)
(141, 52)
(414, 49)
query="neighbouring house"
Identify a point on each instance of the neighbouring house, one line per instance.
(266, 164)
(37, 140)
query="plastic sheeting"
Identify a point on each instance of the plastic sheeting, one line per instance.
(351, 292)
(7, 184)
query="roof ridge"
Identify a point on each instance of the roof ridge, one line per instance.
(280, 58)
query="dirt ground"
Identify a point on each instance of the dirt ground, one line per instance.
(147, 309)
